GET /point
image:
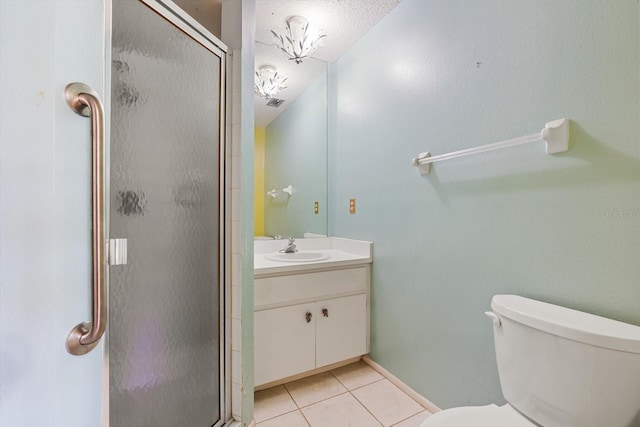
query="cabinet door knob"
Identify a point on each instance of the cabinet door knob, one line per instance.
(308, 316)
(325, 312)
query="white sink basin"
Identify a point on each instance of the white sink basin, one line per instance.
(297, 257)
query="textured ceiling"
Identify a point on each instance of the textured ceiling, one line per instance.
(299, 77)
(207, 12)
(344, 22)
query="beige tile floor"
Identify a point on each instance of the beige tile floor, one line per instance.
(351, 396)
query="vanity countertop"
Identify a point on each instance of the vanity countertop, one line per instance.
(343, 252)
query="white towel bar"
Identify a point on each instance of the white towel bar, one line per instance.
(555, 134)
(287, 190)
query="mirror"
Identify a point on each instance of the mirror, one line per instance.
(291, 149)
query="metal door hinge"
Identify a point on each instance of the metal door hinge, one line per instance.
(117, 252)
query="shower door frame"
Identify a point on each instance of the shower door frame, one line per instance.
(172, 13)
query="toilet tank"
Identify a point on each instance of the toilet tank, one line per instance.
(565, 368)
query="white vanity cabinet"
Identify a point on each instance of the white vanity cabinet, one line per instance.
(285, 342)
(341, 331)
(309, 320)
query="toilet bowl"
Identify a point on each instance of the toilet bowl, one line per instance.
(478, 416)
(584, 372)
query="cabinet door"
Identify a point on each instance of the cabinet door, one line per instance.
(341, 329)
(284, 340)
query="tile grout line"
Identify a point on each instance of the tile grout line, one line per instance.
(331, 397)
(338, 379)
(410, 416)
(276, 416)
(365, 385)
(287, 412)
(397, 422)
(401, 391)
(366, 409)
(299, 408)
(421, 400)
(305, 418)
(291, 395)
(353, 395)
(322, 400)
(360, 386)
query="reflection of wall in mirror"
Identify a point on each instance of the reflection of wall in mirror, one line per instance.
(295, 153)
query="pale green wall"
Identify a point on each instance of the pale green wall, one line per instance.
(296, 154)
(447, 75)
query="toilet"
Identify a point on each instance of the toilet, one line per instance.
(558, 367)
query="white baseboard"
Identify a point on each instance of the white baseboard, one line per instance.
(306, 374)
(424, 402)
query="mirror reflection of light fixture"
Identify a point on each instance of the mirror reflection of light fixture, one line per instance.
(268, 82)
(298, 43)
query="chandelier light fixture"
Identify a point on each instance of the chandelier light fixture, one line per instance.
(268, 82)
(298, 43)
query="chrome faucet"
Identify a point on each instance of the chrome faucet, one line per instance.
(291, 247)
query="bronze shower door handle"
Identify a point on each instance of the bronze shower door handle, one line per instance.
(85, 336)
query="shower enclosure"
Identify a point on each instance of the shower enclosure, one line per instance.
(165, 335)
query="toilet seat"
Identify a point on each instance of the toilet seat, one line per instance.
(478, 416)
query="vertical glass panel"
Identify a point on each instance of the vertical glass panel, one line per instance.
(164, 327)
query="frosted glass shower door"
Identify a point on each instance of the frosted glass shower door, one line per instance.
(164, 333)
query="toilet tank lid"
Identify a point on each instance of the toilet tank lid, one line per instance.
(567, 323)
